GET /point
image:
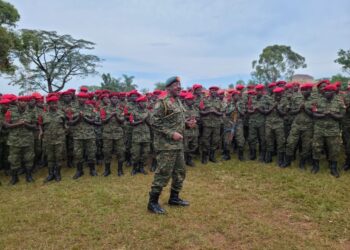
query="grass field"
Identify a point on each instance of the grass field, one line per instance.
(233, 206)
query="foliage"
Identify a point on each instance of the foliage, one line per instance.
(231, 86)
(275, 62)
(50, 60)
(340, 78)
(159, 85)
(344, 60)
(8, 40)
(123, 84)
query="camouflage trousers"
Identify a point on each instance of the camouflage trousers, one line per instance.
(210, 138)
(113, 146)
(190, 143)
(171, 164)
(21, 155)
(332, 144)
(4, 153)
(84, 149)
(54, 153)
(257, 135)
(69, 147)
(304, 135)
(272, 133)
(239, 134)
(346, 140)
(140, 151)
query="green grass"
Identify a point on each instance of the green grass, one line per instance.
(233, 205)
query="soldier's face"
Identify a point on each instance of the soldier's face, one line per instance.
(67, 98)
(142, 105)
(132, 98)
(106, 100)
(328, 94)
(259, 92)
(213, 93)
(22, 104)
(198, 91)
(278, 96)
(114, 100)
(174, 89)
(32, 103)
(306, 92)
(53, 105)
(296, 88)
(82, 100)
(189, 102)
(321, 87)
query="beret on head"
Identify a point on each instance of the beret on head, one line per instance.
(183, 93)
(83, 95)
(289, 85)
(306, 86)
(330, 87)
(142, 99)
(214, 88)
(52, 99)
(189, 96)
(197, 86)
(278, 90)
(134, 92)
(259, 87)
(24, 98)
(84, 89)
(11, 97)
(71, 90)
(281, 83)
(251, 86)
(221, 91)
(157, 92)
(5, 101)
(323, 81)
(251, 92)
(272, 84)
(239, 87)
(172, 80)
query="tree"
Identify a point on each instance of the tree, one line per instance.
(231, 86)
(344, 60)
(50, 60)
(340, 78)
(159, 85)
(128, 83)
(240, 82)
(8, 40)
(123, 84)
(144, 90)
(276, 61)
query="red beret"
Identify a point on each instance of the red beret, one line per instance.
(289, 85)
(113, 94)
(234, 92)
(133, 92)
(239, 87)
(214, 88)
(323, 81)
(259, 87)
(296, 83)
(338, 84)
(189, 96)
(52, 94)
(251, 92)
(330, 87)
(183, 93)
(122, 94)
(83, 95)
(84, 89)
(24, 98)
(272, 84)
(11, 97)
(36, 95)
(251, 86)
(196, 86)
(71, 90)
(281, 83)
(157, 92)
(142, 99)
(103, 96)
(52, 99)
(278, 90)
(306, 86)
(5, 101)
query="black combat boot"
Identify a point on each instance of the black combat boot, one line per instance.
(302, 163)
(92, 169)
(175, 200)
(79, 172)
(288, 161)
(57, 173)
(120, 168)
(29, 177)
(252, 154)
(188, 159)
(226, 156)
(142, 168)
(315, 166)
(240, 154)
(14, 177)
(154, 164)
(346, 165)
(153, 205)
(134, 169)
(107, 169)
(281, 157)
(334, 169)
(262, 156)
(212, 156)
(268, 158)
(204, 157)
(51, 175)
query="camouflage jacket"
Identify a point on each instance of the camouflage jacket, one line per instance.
(256, 119)
(212, 120)
(302, 119)
(113, 129)
(140, 132)
(191, 113)
(274, 119)
(346, 119)
(53, 126)
(83, 130)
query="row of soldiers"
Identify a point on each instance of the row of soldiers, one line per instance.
(91, 127)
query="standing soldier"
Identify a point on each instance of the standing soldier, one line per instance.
(328, 113)
(21, 125)
(211, 111)
(169, 125)
(346, 131)
(5, 105)
(53, 127)
(83, 121)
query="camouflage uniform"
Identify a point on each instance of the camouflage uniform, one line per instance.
(191, 134)
(346, 131)
(4, 149)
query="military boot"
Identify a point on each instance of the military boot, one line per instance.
(302, 163)
(153, 205)
(175, 200)
(80, 171)
(29, 177)
(334, 169)
(120, 168)
(142, 168)
(107, 169)
(346, 165)
(212, 156)
(262, 155)
(204, 157)
(134, 169)
(281, 158)
(57, 173)
(240, 154)
(252, 154)
(51, 175)
(189, 161)
(315, 166)
(268, 158)
(154, 165)
(226, 156)
(92, 169)
(14, 177)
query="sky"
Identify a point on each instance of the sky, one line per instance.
(202, 41)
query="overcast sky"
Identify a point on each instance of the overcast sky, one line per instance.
(205, 41)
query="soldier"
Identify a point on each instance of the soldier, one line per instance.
(169, 125)
(275, 108)
(83, 121)
(229, 123)
(4, 149)
(53, 127)
(302, 127)
(113, 135)
(211, 111)
(21, 125)
(141, 136)
(191, 130)
(241, 108)
(346, 131)
(328, 113)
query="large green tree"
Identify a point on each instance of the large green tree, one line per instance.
(160, 86)
(50, 60)
(121, 84)
(340, 78)
(275, 62)
(8, 18)
(344, 60)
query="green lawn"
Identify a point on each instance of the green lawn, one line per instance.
(233, 205)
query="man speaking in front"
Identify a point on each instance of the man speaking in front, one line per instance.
(168, 125)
